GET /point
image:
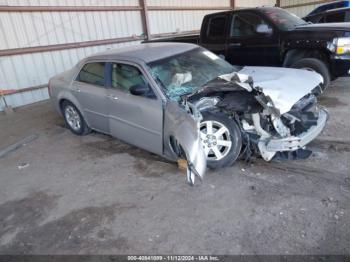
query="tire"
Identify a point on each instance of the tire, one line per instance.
(317, 66)
(230, 133)
(74, 120)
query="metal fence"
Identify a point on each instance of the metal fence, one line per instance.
(40, 38)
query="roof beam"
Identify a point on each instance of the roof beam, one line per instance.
(5, 8)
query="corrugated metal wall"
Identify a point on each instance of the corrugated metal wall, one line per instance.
(254, 3)
(21, 71)
(31, 29)
(175, 21)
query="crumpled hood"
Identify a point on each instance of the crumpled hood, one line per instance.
(285, 86)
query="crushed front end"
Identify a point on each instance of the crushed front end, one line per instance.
(288, 132)
(270, 125)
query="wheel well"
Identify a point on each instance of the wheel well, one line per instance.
(175, 146)
(61, 104)
(294, 55)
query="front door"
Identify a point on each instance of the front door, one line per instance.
(245, 46)
(137, 120)
(90, 91)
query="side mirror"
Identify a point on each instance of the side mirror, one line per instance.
(222, 56)
(263, 29)
(139, 90)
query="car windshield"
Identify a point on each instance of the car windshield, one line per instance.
(185, 73)
(283, 19)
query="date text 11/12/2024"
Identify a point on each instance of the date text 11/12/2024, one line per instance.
(173, 258)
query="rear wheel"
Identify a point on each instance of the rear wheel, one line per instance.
(74, 120)
(221, 139)
(315, 65)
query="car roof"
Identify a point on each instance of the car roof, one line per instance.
(255, 9)
(329, 11)
(147, 52)
(337, 9)
(330, 6)
(258, 8)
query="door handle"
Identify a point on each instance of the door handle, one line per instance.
(78, 90)
(112, 97)
(235, 44)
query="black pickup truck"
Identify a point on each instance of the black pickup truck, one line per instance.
(270, 36)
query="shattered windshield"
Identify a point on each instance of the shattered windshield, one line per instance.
(185, 73)
(283, 19)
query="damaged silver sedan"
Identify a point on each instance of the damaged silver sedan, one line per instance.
(181, 101)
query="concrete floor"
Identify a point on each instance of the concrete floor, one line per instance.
(64, 194)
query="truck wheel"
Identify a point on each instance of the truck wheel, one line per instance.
(221, 139)
(74, 120)
(317, 66)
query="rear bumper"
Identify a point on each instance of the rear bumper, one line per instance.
(293, 143)
(55, 104)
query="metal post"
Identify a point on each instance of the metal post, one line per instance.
(144, 16)
(2, 95)
(233, 4)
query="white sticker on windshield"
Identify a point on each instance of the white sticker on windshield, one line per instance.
(210, 55)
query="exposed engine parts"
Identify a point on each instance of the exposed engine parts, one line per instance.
(264, 128)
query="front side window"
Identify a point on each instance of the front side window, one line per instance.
(126, 76)
(246, 25)
(336, 17)
(92, 73)
(217, 27)
(187, 72)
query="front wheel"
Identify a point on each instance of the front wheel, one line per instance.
(315, 65)
(221, 139)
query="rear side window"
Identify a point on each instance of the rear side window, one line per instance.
(217, 27)
(93, 73)
(336, 17)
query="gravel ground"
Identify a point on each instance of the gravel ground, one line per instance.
(64, 194)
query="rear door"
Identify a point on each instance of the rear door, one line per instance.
(248, 47)
(89, 88)
(137, 120)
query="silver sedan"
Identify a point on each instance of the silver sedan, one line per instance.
(181, 101)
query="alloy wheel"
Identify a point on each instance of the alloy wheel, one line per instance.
(216, 139)
(73, 117)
